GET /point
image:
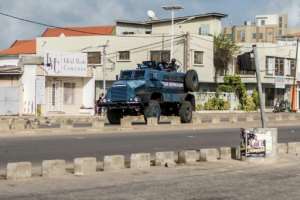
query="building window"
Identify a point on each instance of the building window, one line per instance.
(198, 57)
(270, 65)
(69, 93)
(291, 67)
(160, 56)
(279, 66)
(124, 55)
(253, 35)
(204, 29)
(128, 33)
(260, 36)
(94, 58)
(241, 36)
(263, 22)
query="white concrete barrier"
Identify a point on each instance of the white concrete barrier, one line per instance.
(152, 121)
(18, 170)
(188, 156)
(236, 153)
(114, 162)
(126, 122)
(53, 168)
(85, 166)
(225, 153)
(209, 154)
(140, 161)
(166, 159)
(293, 148)
(175, 120)
(282, 148)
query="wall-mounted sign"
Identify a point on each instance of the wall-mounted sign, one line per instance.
(65, 64)
(279, 82)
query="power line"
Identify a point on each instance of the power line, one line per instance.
(76, 30)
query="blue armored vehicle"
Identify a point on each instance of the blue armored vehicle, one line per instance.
(153, 89)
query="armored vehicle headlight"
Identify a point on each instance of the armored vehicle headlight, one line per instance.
(104, 100)
(137, 99)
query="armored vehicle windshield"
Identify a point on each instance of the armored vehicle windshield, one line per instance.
(132, 75)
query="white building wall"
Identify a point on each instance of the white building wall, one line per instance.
(269, 20)
(28, 88)
(215, 26)
(139, 46)
(9, 61)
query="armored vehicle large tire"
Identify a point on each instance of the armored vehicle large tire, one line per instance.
(186, 112)
(114, 116)
(152, 110)
(191, 82)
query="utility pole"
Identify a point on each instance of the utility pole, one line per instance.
(294, 89)
(259, 86)
(104, 68)
(186, 52)
(172, 8)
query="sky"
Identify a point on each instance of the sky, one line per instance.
(105, 12)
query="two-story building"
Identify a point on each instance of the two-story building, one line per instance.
(66, 72)
(277, 63)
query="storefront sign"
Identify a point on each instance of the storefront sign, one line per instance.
(65, 64)
(254, 144)
(40, 87)
(279, 82)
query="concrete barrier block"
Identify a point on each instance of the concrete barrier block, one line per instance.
(188, 157)
(4, 125)
(166, 159)
(225, 153)
(85, 166)
(115, 162)
(17, 124)
(293, 148)
(209, 154)
(18, 170)
(175, 120)
(67, 123)
(53, 168)
(236, 153)
(98, 123)
(126, 122)
(152, 121)
(282, 148)
(140, 161)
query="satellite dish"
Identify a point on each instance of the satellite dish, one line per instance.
(151, 14)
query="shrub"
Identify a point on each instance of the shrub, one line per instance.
(216, 104)
(199, 107)
(249, 104)
(255, 98)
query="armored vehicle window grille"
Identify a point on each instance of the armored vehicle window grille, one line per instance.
(119, 93)
(133, 75)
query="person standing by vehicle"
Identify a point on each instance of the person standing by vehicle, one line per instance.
(98, 104)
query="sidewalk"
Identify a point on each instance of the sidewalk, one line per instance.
(209, 180)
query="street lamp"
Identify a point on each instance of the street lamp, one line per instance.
(172, 8)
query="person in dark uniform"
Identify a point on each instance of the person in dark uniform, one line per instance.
(98, 104)
(173, 66)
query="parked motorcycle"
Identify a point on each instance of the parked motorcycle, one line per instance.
(282, 106)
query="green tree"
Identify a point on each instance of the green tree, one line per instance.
(224, 50)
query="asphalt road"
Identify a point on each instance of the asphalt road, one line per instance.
(36, 149)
